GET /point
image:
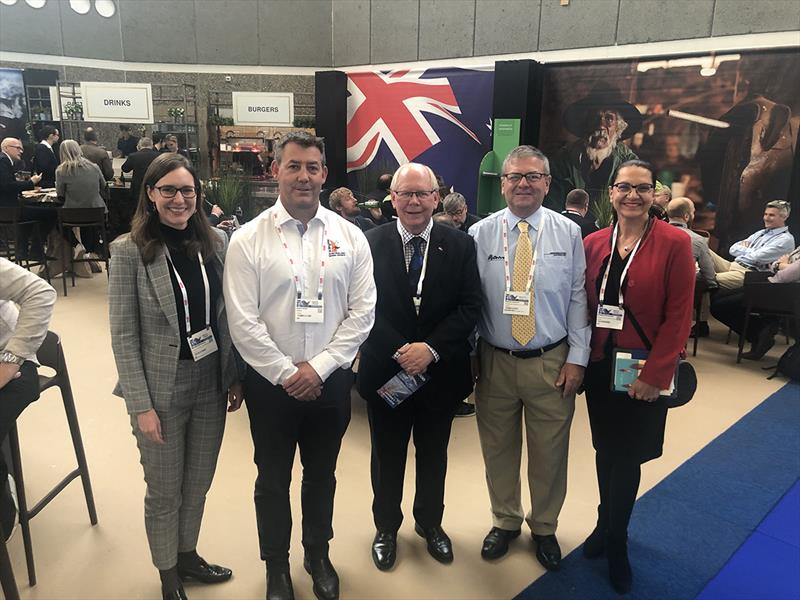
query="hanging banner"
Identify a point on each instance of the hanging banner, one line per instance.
(437, 117)
(106, 102)
(262, 108)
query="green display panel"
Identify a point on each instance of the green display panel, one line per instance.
(505, 137)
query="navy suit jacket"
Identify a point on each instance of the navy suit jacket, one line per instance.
(451, 304)
(45, 162)
(10, 187)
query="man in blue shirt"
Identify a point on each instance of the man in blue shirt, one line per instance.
(758, 251)
(534, 345)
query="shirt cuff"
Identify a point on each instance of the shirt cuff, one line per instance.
(435, 354)
(578, 356)
(324, 364)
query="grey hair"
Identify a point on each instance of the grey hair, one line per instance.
(782, 205)
(144, 142)
(527, 152)
(401, 170)
(454, 201)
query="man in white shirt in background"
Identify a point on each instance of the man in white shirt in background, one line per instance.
(26, 304)
(300, 296)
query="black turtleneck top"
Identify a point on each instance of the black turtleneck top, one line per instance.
(189, 269)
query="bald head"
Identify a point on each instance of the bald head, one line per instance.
(681, 208)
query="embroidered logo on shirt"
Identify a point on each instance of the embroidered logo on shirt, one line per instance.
(334, 249)
(494, 257)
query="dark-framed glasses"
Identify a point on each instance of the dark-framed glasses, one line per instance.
(169, 191)
(641, 189)
(531, 177)
(420, 194)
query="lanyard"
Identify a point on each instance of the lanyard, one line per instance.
(293, 264)
(624, 271)
(182, 287)
(424, 268)
(533, 261)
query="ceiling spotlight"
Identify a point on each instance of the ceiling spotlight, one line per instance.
(708, 71)
(80, 6)
(105, 8)
(36, 3)
(8, 2)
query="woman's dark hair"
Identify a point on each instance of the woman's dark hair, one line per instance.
(642, 164)
(145, 230)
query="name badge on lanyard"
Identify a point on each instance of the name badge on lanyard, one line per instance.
(203, 343)
(306, 310)
(417, 299)
(518, 302)
(610, 316)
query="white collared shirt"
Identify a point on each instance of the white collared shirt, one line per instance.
(260, 293)
(45, 143)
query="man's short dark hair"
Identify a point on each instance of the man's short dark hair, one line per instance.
(384, 182)
(302, 139)
(46, 132)
(577, 198)
(89, 135)
(125, 128)
(157, 137)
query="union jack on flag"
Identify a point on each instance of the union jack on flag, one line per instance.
(432, 116)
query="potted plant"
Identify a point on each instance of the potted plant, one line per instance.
(74, 111)
(177, 113)
(603, 210)
(229, 191)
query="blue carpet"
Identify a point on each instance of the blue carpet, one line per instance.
(685, 529)
(767, 566)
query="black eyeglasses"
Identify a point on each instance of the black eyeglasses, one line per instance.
(169, 191)
(627, 188)
(531, 177)
(420, 194)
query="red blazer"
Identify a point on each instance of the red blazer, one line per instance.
(659, 290)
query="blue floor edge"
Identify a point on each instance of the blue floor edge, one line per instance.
(686, 528)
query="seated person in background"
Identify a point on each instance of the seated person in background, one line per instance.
(96, 153)
(577, 210)
(82, 185)
(662, 199)
(342, 202)
(758, 251)
(455, 205)
(26, 304)
(728, 307)
(127, 143)
(44, 157)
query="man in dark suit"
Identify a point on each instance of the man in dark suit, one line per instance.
(45, 160)
(138, 163)
(577, 210)
(428, 305)
(10, 188)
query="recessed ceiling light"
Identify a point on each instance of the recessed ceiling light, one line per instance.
(105, 8)
(80, 6)
(8, 2)
(36, 3)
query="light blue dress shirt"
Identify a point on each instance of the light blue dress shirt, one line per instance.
(559, 294)
(765, 246)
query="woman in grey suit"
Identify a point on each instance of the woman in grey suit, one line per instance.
(82, 185)
(175, 361)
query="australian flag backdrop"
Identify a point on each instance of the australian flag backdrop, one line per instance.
(437, 117)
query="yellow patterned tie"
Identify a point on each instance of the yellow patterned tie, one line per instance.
(523, 328)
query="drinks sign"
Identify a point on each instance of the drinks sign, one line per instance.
(117, 102)
(262, 108)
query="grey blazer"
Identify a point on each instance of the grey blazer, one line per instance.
(83, 188)
(145, 335)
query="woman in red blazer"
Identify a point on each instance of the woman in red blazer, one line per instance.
(654, 264)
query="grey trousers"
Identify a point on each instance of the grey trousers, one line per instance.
(178, 473)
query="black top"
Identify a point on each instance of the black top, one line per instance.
(189, 269)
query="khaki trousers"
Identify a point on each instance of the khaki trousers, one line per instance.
(509, 391)
(730, 275)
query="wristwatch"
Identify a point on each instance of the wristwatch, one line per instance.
(9, 357)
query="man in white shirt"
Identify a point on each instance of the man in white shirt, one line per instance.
(26, 304)
(300, 296)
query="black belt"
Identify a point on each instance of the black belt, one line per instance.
(531, 353)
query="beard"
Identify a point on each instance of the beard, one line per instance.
(598, 155)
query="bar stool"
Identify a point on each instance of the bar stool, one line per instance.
(11, 224)
(51, 354)
(83, 217)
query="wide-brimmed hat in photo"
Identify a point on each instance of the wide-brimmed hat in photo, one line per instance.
(602, 95)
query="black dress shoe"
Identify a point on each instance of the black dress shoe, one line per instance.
(465, 409)
(204, 572)
(548, 551)
(175, 594)
(326, 581)
(763, 344)
(495, 544)
(384, 550)
(439, 545)
(279, 585)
